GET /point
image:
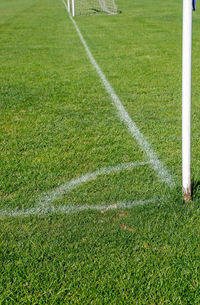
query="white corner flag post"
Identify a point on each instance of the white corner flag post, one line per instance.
(186, 99)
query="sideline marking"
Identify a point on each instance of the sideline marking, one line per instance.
(156, 164)
(47, 198)
(60, 191)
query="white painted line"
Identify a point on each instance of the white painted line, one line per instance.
(156, 164)
(60, 191)
(69, 209)
(45, 200)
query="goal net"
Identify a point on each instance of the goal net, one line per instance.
(91, 7)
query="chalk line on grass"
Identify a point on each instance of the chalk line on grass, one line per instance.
(60, 191)
(45, 200)
(156, 164)
(69, 209)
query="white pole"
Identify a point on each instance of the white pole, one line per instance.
(186, 99)
(73, 8)
(68, 6)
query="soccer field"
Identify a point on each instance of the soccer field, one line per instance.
(91, 209)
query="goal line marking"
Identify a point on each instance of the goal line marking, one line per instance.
(69, 209)
(45, 200)
(156, 164)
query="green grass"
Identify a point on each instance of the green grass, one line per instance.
(58, 123)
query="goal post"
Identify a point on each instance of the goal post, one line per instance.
(68, 6)
(92, 7)
(73, 8)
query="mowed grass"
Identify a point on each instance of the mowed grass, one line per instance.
(57, 123)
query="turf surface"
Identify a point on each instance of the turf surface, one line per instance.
(57, 123)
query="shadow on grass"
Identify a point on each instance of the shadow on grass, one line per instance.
(195, 187)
